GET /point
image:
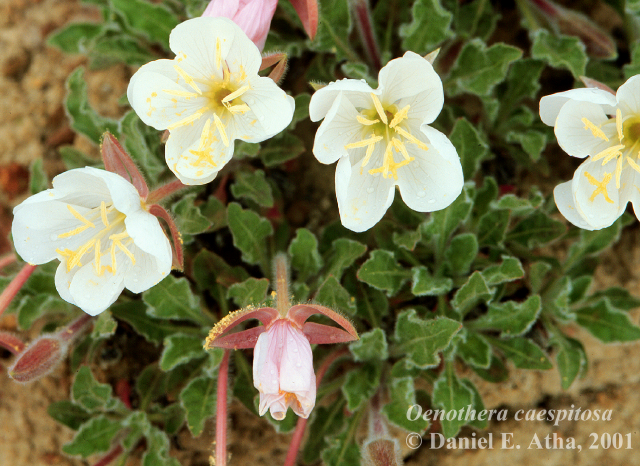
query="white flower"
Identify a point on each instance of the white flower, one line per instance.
(382, 139)
(208, 96)
(95, 223)
(604, 127)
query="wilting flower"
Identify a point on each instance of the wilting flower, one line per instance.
(382, 139)
(209, 95)
(253, 16)
(99, 226)
(282, 361)
(605, 128)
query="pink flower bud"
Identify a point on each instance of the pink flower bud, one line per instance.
(39, 359)
(283, 371)
(253, 16)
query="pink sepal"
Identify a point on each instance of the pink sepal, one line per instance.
(178, 256)
(240, 340)
(592, 83)
(116, 160)
(301, 312)
(308, 12)
(319, 334)
(266, 315)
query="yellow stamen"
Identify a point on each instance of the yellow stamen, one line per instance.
(103, 214)
(368, 154)
(96, 263)
(379, 109)
(365, 142)
(619, 124)
(186, 121)
(188, 79)
(401, 115)
(618, 172)
(613, 150)
(180, 94)
(119, 236)
(633, 165)
(75, 258)
(235, 109)
(124, 249)
(411, 138)
(86, 223)
(366, 121)
(400, 147)
(387, 159)
(218, 53)
(220, 126)
(235, 94)
(601, 186)
(114, 264)
(595, 130)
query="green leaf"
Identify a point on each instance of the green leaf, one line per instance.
(566, 52)
(158, 446)
(341, 451)
(333, 295)
(497, 371)
(172, 298)
(68, 413)
(606, 323)
(253, 186)
(180, 349)
(325, 421)
(509, 270)
(471, 293)
(421, 340)
(74, 158)
(430, 26)
(450, 394)
(249, 232)
(199, 401)
(334, 26)
(344, 253)
(477, 405)
(361, 384)
(94, 436)
(104, 326)
(510, 317)
(620, 298)
(110, 50)
(532, 142)
(75, 38)
(142, 143)
(478, 68)
(250, 291)
(83, 118)
(154, 21)
(281, 149)
(303, 251)
(471, 147)
(188, 217)
(372, 305)
(537, 275)
(523, 352)
(633, 68)
(424, 284)
(402, 396)
(593, 242)
(407, 239)
(571, 359)
(523, 81)
(517, 205)
(536, 230)
(38, 179)
(89, 393)
(474, 350)
(30, 308)
(383, 272)
(492, 227)
(134, 313)
(444, 222)
(461, 252)
(372, 346)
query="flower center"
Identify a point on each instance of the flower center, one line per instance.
(631, 131)
(112, 226)
(385, 123)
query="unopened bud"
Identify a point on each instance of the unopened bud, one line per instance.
(381, 452)
(39, 359)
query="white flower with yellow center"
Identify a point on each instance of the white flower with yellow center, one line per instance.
(605, 128)
(382, 139)
(209, 95)
(95, 223)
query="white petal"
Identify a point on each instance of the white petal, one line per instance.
(306, 400)
(628, 96)
(599, 213)
(363, 199)
(296, 362)
(63, 282)
(550, 105)
(434, 179)
(124, 195)
(147, 271)
(572, 135)
(92, 293)
(270, 106)
(411, 80)
(339, 128)
(563, 196)
(357, 92)
(148, 235)
(265, 364)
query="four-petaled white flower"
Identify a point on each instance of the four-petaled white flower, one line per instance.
(605, 127)
(382, 139)
(208, 96)
(95, 223)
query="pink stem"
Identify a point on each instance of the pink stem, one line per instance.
(11, 343)
(365, 28)
(294, 446)
(109, 457)
(545, 7)
(166, 190)
(7, 260)
(221, 411)
(75, 327)
(16, 284)
(161, 212)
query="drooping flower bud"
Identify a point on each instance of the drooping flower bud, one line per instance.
(39, 359)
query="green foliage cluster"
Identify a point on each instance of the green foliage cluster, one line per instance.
(474, 287)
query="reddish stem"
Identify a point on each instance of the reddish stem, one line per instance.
(221, 411)
(109, 457)
(168, 189)
(367, 34)
(7, 260)
(12, 343)
(16, 284)
(294, 446)
(75, 327)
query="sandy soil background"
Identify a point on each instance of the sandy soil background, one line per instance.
(33, 124)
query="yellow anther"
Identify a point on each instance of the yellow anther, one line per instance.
(618, 172)
(411, 138)
(188, 79)
(387, 159)
(368, 154)
(365, 142)
(180, 94)
(79, 216)
(218, 53)
(400, 147)
(124, 249)
(595, 130)
(379, 109)
(185, 121)
(633, 165)
(220, 126)
(235, 94)
(204, 150)
(114, 264)
(235, 109)
(103, 213)
(85, 223)
(75, 258)
(96, 263)
(619, 124)
(399, 116)
(601, 186)
(609, 151)
(119, 236)
(366, 121)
